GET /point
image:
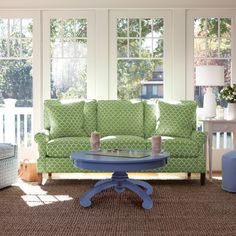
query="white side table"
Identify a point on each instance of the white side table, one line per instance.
(215, 125)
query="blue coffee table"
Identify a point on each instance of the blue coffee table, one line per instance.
(119, 180)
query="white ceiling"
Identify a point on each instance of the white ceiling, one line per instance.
(54, 4)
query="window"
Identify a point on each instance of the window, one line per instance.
(68, 58)
(212, 46)
(19, 79)
(16, 51)
(138, 54)
(68, 51)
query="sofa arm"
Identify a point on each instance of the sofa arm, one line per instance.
(41, 139)
(199, 137)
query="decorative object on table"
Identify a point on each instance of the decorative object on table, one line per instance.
(156, 144)
(228, 95)
(209, 76)
(28, 171)
(8, 164)
(95, 141)
(228, 171)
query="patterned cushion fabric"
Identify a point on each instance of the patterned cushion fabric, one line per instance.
(90, 116)
(123, 141)
(120, 117)
(47, 104)
(179, 147)
(66, 120)
(150, 117)
(63, 147)
(176, 120)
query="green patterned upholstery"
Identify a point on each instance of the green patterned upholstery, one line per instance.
(90, 116)
(120, 117)
(150, 117)
(67, 120)
(63, 147)
(181, 147)
(123, 124)
(176, 120)
(123, 141)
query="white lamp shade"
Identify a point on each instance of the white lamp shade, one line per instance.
(209, 75)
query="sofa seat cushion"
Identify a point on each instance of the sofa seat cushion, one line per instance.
(120, 117)
(123, 141)
(179, 147)
(63, 147)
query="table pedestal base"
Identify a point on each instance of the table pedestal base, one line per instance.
(120, 181)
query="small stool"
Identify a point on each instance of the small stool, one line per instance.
(229, 171)
(8, 164)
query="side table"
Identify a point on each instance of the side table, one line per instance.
(216, 125)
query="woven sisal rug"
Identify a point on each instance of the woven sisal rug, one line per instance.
(180, 208)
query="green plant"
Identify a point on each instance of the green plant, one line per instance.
(228, 94)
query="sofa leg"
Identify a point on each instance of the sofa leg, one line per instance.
(40, 178)
(189, 174)
(203, 178)
(50, 175)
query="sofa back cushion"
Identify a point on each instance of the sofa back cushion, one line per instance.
(150, 117)
(177, 120)
(89, 114)
(120, 117)
(66, 120)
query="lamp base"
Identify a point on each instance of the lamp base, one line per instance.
(209, 104)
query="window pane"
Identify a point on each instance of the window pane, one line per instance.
(68, 58)
(15, 29)
(139, 57)
(3, 48)
(134, 47)
(199, 47)
(212, 27)
(134, 28)
(225, 27)
(68, 78)
(14, 47)
(27, 28)
(3, 28)
(80, 28)
(122, 47)
(122, 25)
(158, 27)
(199, 27)
(132, 74)
(146, 26)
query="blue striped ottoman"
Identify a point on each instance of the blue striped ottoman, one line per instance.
(229, 171)
(8, 164)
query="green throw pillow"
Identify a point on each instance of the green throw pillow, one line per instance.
(176, 120)
(66, 120)
(120, 117)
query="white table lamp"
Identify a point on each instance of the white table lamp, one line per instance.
(209, 76)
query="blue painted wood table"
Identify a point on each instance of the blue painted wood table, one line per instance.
(119, 180)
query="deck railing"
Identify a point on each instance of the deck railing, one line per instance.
(16, 124)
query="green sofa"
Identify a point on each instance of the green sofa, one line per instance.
(121, 124)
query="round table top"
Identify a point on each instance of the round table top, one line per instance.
(88, 160)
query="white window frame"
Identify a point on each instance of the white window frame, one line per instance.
(30, 152)
(166, 15)
(90, 16)
(191, 14)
